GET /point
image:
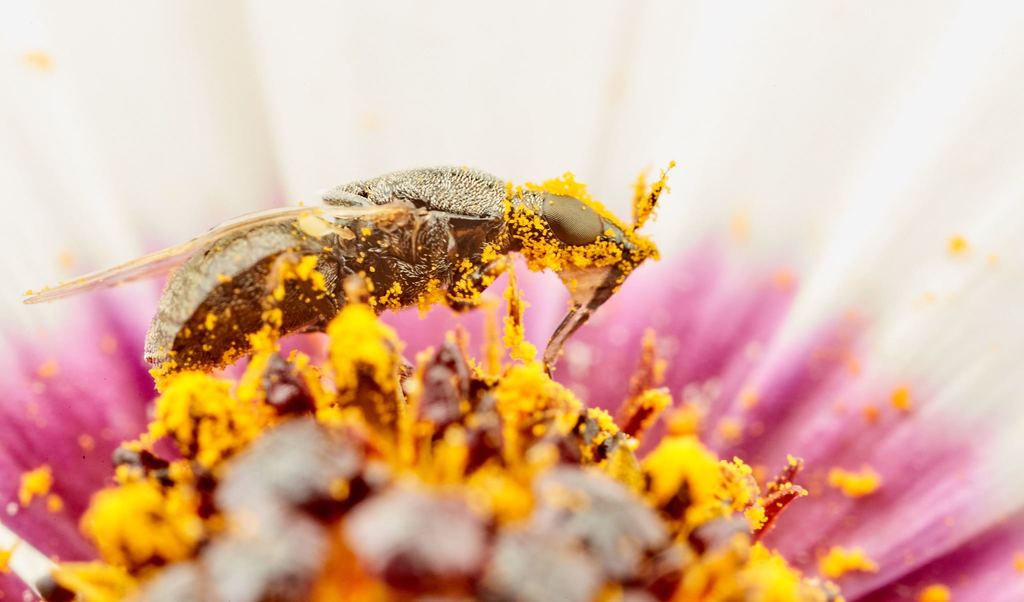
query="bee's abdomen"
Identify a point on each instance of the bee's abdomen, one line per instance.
(216, 300)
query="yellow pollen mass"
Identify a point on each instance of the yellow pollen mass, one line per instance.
(840, 561)
(526, 397)
(644, 200)
(935, 593)
(748, 398)
(543, 251)
(855, 483)
(40, 60)
(957, 245)
(5, 558)
(684, 461)
(95, 581)
(35, 484)
(358, 338)
(139, 523)
(901, 399)
(54, 503)
(515, 333)
(731, 429)
(499, 438)
(198, 412)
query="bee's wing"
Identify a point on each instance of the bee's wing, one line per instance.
(315, 220)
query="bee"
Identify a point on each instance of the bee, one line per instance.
(422, 236)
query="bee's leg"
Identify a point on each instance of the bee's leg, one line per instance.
(464, 293)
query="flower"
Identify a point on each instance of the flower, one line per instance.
(842, 276)
(341, 479)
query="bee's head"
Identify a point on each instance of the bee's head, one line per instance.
(559, 227)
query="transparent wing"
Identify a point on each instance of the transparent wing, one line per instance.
(316, 221)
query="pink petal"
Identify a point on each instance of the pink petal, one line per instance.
(71, 420)
(721, 328)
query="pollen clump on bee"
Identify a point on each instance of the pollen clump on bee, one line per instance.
(358, 477)
(542, 251)
(645, 198)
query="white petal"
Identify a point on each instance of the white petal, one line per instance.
(147, 127)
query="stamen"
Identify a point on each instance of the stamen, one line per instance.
(646, 400)
(781, 493)
(360, 477)
(27, 563)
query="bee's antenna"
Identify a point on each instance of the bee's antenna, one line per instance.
(645, 200)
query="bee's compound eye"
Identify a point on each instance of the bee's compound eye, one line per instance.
(573, 222)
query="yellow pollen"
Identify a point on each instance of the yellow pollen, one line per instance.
(5, 558)
(35, 483)
(66, 259)
(749, 398)
(39, 60)
(358, 338)
(901, 399)
(54, 503)
(500, 436)
(48, 369)
(935, 593)
(645, 200)
(784, 280)
(198, 412)
(86, 442)
(855, 483)
(515, 333)
(731, 429)
(957, 245)
(138, 523)
(95, 581)
(542, 250)
(684, 420)
(840, 561)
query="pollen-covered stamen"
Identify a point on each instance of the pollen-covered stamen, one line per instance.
(352, 480)
(646, 401)
(780, 493)
(515, 337)
(785, 478)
